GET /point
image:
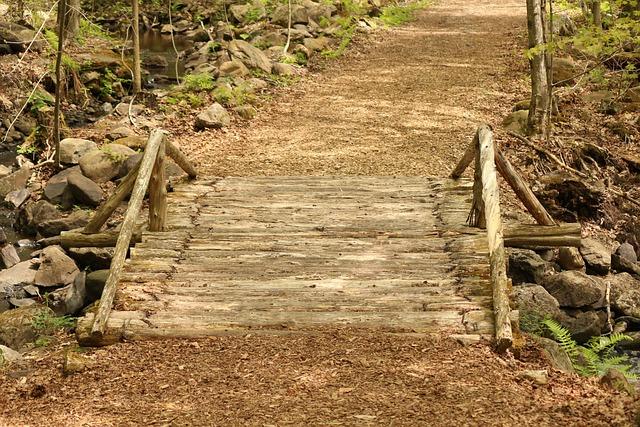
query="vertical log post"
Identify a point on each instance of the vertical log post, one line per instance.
(127, 230)
(137, 79)
(539, 76)
(497, 257)
(158, 192)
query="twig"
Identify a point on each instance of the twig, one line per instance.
(173, 43)
(129, 112)
(286, 46)
(44, 21)
(589, 69)
(15, 119)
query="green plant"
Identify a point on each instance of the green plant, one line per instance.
(45, 322)
(394, 15)
(112, 155)
(597, 357)
(198, 82)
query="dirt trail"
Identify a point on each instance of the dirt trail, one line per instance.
(406, 105)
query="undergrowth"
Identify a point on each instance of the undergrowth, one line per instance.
(597, 356)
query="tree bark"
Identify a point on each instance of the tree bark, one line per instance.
(62, 10)
(538, 110)
(137, 79)
(596, 10)
(73, 19)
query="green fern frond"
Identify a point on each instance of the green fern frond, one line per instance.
(563, 337)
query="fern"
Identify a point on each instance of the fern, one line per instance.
(597, 357)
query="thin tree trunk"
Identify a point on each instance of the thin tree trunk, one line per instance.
(596, 10)
(137, 79)
(73, 19)
(62, 10)
(539, 82)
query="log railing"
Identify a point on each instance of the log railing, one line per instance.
(147, 175)
(485, 213)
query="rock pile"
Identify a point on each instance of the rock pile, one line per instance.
(575, 287)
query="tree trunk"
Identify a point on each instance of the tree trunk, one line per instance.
(62, 10)
(539, 83)
(73, 19)
(137, 79)
(596, 10)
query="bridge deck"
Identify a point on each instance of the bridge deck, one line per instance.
(283, 254)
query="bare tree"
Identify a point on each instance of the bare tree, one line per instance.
(62, 10)
(137, 79)
(596, 10)
(73, 18)
(540, 96)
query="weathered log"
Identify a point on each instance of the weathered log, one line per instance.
(74, 239)
(522, 190)
(477, 214)
(181, 160)
(497, 257)
(466, 160)
(528, 236)
(128, 225)
(158, 193)
(103, 213)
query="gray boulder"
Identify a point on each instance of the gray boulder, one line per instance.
(516, 121)
(282, 69)
(56, 268)
(102, 165)
(53, 227)
(8, 356)
(18, 38)
(119, 133)
(57, 189)
(72, 149)
(15, 181)
(620, 264)
(619, 284)
(627, 252)
(570, 259)
(95, 284)
(36, 213)
(535, 302)
(18, 197)
(84, 190)
(564, 71)
(299, 15)
(233, 68)
(250, 55)
(9, 256)
(317, 44)
(69, 299)
(20, 326)
(575, 289)
(555, 354)
(21, 274)
(596, 257)
(526, 266)
(92, 258)
(213, 117)
(584, 324)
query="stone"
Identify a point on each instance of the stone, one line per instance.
(570, 259)
(213, 117)
(627, 252)
(9, 356)
(75, 362)
(18, 38)
(281, 69)
(102, 165)
(94, 284)
(21, 302)
(119, 133)
(247, 112)
(4, 171)
(526, 266)
(596, 256)
(18, 197)
(539, 377)
(621, 265)
(56, 268)
(250, 55)
(619, 284)
(317, 44)
(34, 214)
(615, 380)
(26, 125)
(57, 189)
(72, 149)
(517, 121)
(563, 25)
(19, 327)
(129, 164)
(564, 71)
(15, 181)
(233, 68)
(23, 273)
(583, 324)
(257, 85)
(53, 227)
(556, 356)
(134, 142)
(69, 299)
(628, 303)
(535, 303)
(466, 340)
(9, 256)
(299, 15)
(84, 190)
(124, 108)
(92, 258)
(155, 61)
(575, 289)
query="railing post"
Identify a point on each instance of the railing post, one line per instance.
(158, 192)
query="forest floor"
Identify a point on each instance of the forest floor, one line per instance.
(407, 102)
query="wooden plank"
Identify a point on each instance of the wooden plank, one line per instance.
(158, 192)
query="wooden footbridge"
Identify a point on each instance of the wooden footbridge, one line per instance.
(298, 254)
